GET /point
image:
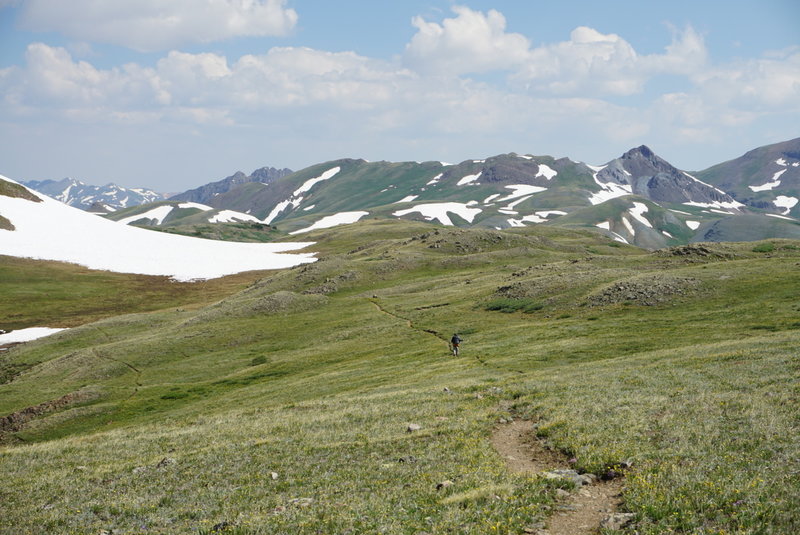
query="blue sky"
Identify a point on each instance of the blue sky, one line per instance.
(171, 94)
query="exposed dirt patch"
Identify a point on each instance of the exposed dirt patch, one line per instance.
(17, 420)
(580, 512)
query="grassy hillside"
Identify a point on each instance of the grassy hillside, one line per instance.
(56, 294)
(284, 407)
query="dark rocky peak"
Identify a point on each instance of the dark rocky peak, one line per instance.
(636, 164)
(268, 174)
(642, 161)
(204, 194)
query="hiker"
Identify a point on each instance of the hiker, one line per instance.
(454, 343)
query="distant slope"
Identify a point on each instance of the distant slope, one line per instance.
(663, 205)
(498, 192)
(51, 230)
(766, 178)
(94, 198)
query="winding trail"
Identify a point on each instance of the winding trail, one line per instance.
(137, 381)
(579, 513)
(438, 335)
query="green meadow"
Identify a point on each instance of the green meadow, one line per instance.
(280, 402)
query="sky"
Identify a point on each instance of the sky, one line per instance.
(173, 94)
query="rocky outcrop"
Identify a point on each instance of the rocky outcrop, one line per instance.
(204, 194)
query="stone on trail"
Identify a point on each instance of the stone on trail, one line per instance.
(570, 475)
(617, 520)
(444, 484)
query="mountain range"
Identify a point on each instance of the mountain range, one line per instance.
(101, 199)
(638, 198)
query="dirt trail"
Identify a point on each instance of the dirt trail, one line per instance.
(579, 513)
(445, 340)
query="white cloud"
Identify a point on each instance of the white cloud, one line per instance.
(472, 42)
(592, 62)
(555, 100)
(150, 25)
(772, 82)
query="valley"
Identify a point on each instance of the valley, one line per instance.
(283, 401)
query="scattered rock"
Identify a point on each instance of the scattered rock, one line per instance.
(561, 493)
(571, 475)
(301, 502)
(444, 484)
(273, 475)
(617, 520)
(407, 459)
(222, 526)
(646, 290)
(413, 427)
(166, 461)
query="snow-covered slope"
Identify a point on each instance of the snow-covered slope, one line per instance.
(51, 230)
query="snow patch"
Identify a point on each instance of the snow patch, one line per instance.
(705, 184)
(158, 213)
(406, 199)
(521, 190)
(637, 213)
(694, 225)
(469, 179)
(434, 180)
(679, 212)
(628, 226)
(297, 197)
(197, 205)
(781, 217)
(26, 335)
(604, 225)
(782, 201)
(231, 216)
(610, 190)
(440, 210)
(734, 205)
(548, 213)
(769, 185)
(488, 199)
(546, 172)
(667, 234)
(781, 161)
(308, 184)
(307, 208)
(342, 218)
(512, 205)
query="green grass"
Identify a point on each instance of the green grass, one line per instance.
(314, 373)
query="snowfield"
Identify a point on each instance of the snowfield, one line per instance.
(158, 213)
(440, 210)
(26, 335)
(343, 218)
(50, 230)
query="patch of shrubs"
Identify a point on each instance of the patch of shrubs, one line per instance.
(509, 305)
(764, 248)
